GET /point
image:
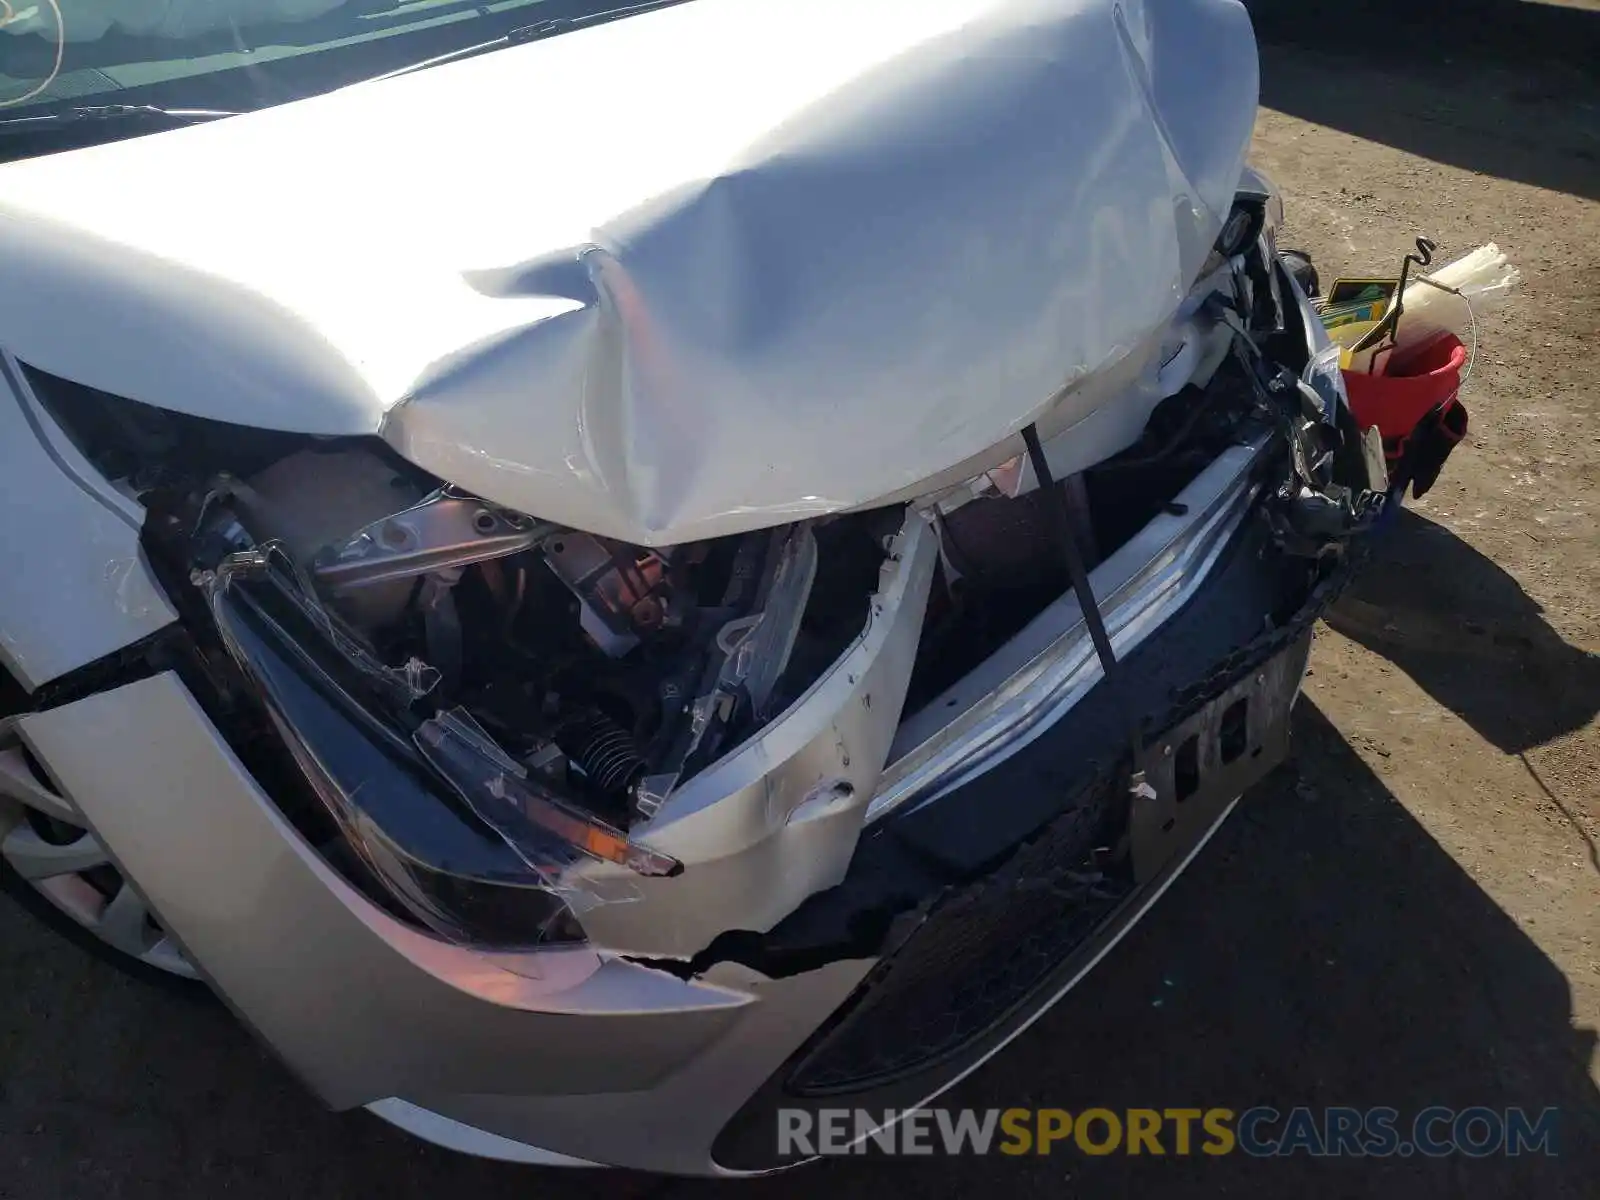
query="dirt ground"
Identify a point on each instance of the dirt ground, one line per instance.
(1409, 916)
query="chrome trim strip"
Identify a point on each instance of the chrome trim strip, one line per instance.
(1033, 680)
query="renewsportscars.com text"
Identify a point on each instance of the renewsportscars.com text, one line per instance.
(1260, 1132)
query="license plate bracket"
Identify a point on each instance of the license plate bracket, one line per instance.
(1188, 776)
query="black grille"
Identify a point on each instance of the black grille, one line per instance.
(977, 958)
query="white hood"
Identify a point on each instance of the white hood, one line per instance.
(681, 275)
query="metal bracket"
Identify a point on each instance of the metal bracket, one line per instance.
(448, 529)
(1185, 778)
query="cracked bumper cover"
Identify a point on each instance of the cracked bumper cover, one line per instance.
(572, 1048)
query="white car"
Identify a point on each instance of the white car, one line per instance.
(596, 574)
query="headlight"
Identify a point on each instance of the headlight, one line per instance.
(451, 838)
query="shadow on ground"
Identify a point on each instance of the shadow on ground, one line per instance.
(1502, 87)
(1324, 950)
(1466, 632)
(1520, 32)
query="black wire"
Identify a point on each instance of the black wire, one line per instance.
(1198, 410)
(1056, 504)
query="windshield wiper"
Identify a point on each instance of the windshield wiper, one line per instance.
(110, 112)
(535, 32)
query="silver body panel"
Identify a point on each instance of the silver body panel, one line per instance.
(563, 1058)
(539, 1057)
(370, 1009)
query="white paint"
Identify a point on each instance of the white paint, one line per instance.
(681, 275)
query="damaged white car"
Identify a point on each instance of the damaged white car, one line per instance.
(596, 573)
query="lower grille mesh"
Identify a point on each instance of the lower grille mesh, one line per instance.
(977, 957)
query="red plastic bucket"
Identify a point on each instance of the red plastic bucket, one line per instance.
(1410, 389)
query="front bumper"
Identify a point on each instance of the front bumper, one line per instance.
(364, 1008)
(1006, 927)
(598, 1058)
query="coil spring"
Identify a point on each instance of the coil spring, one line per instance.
(604, 752)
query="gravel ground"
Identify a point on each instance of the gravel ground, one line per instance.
(1408, 916)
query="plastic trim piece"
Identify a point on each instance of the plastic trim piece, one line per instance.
(454, 1135)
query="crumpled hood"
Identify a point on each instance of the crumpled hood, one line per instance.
(682, 275)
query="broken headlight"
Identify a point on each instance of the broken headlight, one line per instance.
(459, 839)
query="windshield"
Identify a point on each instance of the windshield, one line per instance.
(57, 56)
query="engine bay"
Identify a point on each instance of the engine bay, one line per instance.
(614, 673)
(609, 672)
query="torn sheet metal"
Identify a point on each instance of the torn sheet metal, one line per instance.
(690, 273)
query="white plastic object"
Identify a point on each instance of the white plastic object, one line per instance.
(1465, 289)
